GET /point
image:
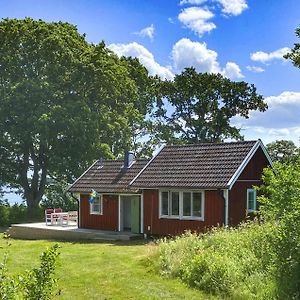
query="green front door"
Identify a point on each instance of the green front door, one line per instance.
(135, 214)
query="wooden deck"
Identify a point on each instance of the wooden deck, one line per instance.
(37, 231)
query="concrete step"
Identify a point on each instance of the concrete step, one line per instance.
(67, 233)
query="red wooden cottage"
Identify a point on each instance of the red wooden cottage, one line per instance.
(182, 187)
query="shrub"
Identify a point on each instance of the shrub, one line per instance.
(281, 204)
(4, 213)
(17, 213)
(224, 261)
(36, 284)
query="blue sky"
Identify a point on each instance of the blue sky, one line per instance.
(242, 39)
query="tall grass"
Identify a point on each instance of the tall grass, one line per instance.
(234, 263)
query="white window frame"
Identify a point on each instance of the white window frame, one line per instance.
(181, 216)
(92, 212)
(254, 200)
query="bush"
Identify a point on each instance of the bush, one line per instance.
(281, 204)
(225, 261)
(17, 213)
(36, 284)
(4, 213)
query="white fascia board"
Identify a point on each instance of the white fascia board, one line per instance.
(149, 162)
(243, 165)
(82, 175)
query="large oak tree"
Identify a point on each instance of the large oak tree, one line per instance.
(63, 103)
(202, 106)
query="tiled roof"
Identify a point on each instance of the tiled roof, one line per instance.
(194, 166)
(111, 178)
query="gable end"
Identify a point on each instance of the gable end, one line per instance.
(247, 159)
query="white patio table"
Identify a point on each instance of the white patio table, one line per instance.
(59, 217)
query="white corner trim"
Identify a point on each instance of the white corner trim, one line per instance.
(142, 212)
(82, 174)
(148, 163)
(242, 166)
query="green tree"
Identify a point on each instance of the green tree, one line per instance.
(56, 196)
(204, 105)
(294, 54)
(283, 151)
(281, 206)
(62, 104)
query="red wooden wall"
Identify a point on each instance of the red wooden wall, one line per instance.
(213, 215)
(251, 176)
(107, 221)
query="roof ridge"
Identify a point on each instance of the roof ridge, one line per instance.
(212, 144)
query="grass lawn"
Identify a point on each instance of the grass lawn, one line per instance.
(101, 270)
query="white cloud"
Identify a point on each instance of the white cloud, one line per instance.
(186, 53)
(232, 70)
(196, 19)
(145, 56)
(147, 32)
(265, 57)
(255, 69)
(193, 2)
(286, 97)
(229, 7)
(280, 121)
(233, 7)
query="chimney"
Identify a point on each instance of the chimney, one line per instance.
(128, 159)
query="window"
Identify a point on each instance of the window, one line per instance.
(182, 204)
(251, 200)
(96, 206)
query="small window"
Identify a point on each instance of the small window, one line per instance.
(96, 206)
(251, 200)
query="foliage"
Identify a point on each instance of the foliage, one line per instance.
(62, 104)
(283, 151)
(56, 196)
(281, 204)
(294, 54)
(12, 214)
(38, 283)
(234, 263)
(204, 105)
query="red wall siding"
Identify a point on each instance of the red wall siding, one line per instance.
(107, 221)
(213, 215)
(251, 176)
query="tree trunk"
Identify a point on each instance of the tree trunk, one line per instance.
(33, 209)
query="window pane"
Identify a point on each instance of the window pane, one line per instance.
(164, 203)
(96, 206)
(187, 204)
(197, 204)
(251, 200)
(175, 203)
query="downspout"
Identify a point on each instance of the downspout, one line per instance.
(226, 197)
(78, 208)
